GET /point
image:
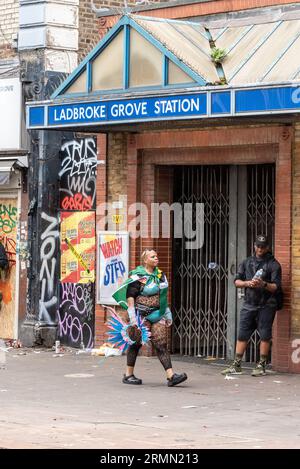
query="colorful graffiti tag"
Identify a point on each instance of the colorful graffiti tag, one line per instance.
(77, 242)
(8, 217)
(8, 237)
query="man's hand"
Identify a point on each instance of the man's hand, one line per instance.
(258, 283)
(252, 283)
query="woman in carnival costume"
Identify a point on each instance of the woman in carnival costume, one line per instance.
(144, 295)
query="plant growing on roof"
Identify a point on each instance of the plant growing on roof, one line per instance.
(218, 55)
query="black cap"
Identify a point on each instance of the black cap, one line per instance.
(261, 241)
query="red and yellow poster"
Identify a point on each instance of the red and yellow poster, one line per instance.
(77, 235)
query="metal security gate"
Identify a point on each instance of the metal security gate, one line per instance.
(238, 203)
(200, 275)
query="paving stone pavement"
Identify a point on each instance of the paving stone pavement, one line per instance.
(75, 400)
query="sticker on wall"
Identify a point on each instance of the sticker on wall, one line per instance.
(77, 235)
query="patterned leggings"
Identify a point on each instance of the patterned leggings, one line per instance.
(159, 341)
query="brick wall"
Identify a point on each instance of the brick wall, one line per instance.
(101, 188)
(9, 25)
(111, 183)
(117, 165)
(281, 356)
(208, 8)
(88, 29)
(295, 325)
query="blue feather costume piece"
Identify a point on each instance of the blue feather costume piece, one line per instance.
(119, 332)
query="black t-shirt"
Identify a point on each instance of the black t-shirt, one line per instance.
(271, 274)
(135, 288)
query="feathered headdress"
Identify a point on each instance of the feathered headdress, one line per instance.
(123, 335)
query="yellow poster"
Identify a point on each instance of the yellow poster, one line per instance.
(77, 235)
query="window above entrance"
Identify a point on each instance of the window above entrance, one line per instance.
(142, 53)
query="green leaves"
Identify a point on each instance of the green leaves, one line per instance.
(218, 55)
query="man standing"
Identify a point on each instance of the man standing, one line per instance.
(260, 275)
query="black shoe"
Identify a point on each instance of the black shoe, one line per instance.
(131, 380)
(177, 379)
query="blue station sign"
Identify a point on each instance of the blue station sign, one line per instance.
(127, 110)
(233, 102)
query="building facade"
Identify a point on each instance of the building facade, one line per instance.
(13, 176)
(149, 118)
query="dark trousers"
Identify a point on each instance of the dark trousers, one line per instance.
(254, 317)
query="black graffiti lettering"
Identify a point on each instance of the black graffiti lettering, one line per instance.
(80, 159)
(76, 314)
(78, 175)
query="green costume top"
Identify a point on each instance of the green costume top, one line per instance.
(154, 277)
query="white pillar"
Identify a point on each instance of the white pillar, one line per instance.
(51, 25)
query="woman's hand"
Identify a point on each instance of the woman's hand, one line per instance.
(132, 315)
(168, 317)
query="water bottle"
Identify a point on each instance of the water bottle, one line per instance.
(258, 275)
(57, 346)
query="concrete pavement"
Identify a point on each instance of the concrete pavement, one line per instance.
(78, 401)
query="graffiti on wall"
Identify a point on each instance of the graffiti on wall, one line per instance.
(78, 175)
(76, 311)
(10, 248)
(8, 237)
(48, 278)
(76, 314)
(8, 217)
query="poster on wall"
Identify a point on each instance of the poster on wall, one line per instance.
(77, 234)
(112, 264)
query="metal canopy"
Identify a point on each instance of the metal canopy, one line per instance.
(260, 53)
(150, 69)
(8, 164)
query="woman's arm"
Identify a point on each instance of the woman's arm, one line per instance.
(131, 311)
(132, 292)
(130, 302)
